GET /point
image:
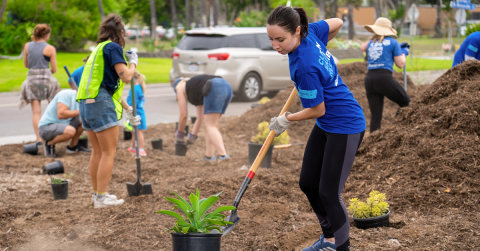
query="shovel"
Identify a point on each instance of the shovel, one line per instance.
(287, 145)
(137, 188)
(70, 76)
(233, 217)
(405, 71)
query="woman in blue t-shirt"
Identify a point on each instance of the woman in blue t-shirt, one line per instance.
(382, 51)
(340, 124)
(140, 88)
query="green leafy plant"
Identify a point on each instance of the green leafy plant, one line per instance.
(70, 176)
(375, 206)
(471, 28)
(56, 181)
(263, 132)
(151, 45)
(198, 220)
(251, 19)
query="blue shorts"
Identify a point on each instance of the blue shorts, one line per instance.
(218, 97)
(99, 115)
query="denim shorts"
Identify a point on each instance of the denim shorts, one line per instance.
(98, 114)
(218, 97)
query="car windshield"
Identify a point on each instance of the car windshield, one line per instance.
(202, 42)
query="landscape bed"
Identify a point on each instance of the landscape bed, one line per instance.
(426, 150)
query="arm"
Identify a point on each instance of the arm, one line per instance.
(334, 24)
(125, 105)
(182, 105)
(400, 60)
(53, 59)
(364, 46)
(125, 73)
(309, 113)
(198, 122)
(64, 113)
(25, 56)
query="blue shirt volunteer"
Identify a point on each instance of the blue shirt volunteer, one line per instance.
(77, 75)
(316, 78)
(380, 54)
(469, 48)
(139, 104)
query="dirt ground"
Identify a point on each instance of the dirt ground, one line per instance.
(428, 147)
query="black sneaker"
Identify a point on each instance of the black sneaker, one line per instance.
(49, 150)
(71, 150)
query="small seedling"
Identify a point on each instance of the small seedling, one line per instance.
(375, 206)
(56, 181)
(198, 221)
(263, 132)
(70, 176)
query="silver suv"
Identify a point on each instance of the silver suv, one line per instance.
(242, 56)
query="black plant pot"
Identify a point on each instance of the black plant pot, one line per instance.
(193, 119)
(60, 191)
(180, 148)
(253, 149)
(157, 144)
(83, 142)
(196, 242)
(379, 221)
(53, 168)
(31, 149)
(255, 105)
(127, 135)
(186, 128)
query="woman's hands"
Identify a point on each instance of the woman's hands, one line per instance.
(279, 124)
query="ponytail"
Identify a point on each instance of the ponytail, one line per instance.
(289, 19)
(378, 38)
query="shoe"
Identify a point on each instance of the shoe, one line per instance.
(224, 157)
(142, 152)
(132, 150)
(71, 150)
(321, 245)
(49, 150)
(84, 149)
(94, 196)
(107, 202)
(211, 159)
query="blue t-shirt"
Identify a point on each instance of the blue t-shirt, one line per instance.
(316, 78)
(380, 54)
(67, 97)
(112, 55)
(469, 47)
(77, 75)
(139, 104)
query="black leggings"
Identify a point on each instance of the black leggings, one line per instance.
(326, 164)
(378, 84)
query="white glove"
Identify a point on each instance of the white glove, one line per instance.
(132, 57)
(279, 124)
(134, 120)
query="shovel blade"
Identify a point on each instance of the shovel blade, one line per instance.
(147, 189)
(234, 218)
(137, 188)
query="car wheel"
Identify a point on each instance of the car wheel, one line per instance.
(251, 87)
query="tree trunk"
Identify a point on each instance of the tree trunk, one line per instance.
(333, 8)
(351, 24)
(100, 9)
(321, 6)
(187, 15)
(203, 11)
(195, 13)
(378, 9)
(216, 12)
(2, 10)
(174, 19)
(438, 22)
(232, 16)
(153, 19)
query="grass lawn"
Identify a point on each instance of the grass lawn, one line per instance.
(14, 73)
(419, 64)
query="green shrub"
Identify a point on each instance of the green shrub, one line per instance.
(252, 19)
(471, 28)
(198, 221)
(14, 36)
(151, 45)
(375, 206)
(56, 181)
(263, 132)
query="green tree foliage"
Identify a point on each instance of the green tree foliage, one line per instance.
(308, 5)
(471, 28)
(252, 19)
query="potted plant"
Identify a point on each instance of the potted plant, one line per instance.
(60, 187)
(83, 141)
(257, 142)
(127, 131)
(370, 214)
(193, 233)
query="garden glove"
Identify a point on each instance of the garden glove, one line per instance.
(191, 140)
(279, 124)
(132, 57)
(179, 136)
(134, 120)
(405, 48)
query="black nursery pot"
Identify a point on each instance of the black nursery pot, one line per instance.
(186, 128)
(180, 148)
(53, 168)
(127, 135)
(253, 149)
(83, 142)
(60, 191)
(196, 242)
(157, 144)
(31, 149)
(379, 221)
(193, 119)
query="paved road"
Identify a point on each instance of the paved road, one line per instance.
(160, 107)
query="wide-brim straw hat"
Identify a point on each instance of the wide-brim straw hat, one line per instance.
(382, 27)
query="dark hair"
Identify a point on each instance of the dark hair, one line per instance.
(112, 28)
(41, 31)
(289, 19)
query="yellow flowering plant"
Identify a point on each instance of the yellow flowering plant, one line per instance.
(375, 206)
(263, 132)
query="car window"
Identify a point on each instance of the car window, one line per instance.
(202, 42)
(264, 42)
(242, 41)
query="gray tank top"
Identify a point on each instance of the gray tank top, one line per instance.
(36, 59)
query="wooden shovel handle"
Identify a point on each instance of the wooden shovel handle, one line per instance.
(272, 134)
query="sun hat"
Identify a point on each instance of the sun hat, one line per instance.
(382, 27)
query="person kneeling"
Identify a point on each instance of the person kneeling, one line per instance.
(61, 122)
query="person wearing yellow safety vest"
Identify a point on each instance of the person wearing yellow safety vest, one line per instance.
(102, 104)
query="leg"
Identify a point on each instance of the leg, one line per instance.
(36, 115)
(94, 158)
(108, 143)
(211, 128)
(140, 139)
(210, 148)
(68, 133)
(77, 124)
(340, 152)
(375, 102)
(310, 177)
(390, 88)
